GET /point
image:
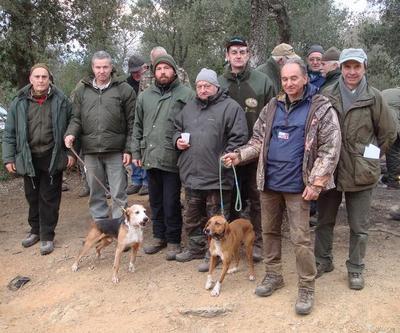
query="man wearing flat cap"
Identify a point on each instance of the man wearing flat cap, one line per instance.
(33, 147)
(368, 129)
(272, 68)
(153, 150)
(314, 56)
(330, 68)
(252, 90)
(217, 125)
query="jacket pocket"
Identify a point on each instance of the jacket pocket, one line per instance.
(366, 170)
(170, 157)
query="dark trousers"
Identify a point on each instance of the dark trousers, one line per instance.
(43, 193)
(200, 205)
(165, 204)
(247, 179)
(357, 206)
(393, 162)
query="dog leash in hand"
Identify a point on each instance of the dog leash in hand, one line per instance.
(117, 201)
(238, 200)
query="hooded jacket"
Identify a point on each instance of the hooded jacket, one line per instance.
(216, 126)
(15, 138)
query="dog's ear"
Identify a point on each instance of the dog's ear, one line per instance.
(207, 224)
(127, 212)
(227, 228)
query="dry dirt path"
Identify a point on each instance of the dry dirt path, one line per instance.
(166, 296)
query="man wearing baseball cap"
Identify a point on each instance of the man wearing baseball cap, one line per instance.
(272, 68)
(153, 150)
(368, 129)
(252, 90)
(217, 124)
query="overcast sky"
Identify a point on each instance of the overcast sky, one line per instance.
(357, 6)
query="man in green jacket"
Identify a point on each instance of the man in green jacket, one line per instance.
(272, 68)
(252, 90)
(153, 149)
(330, 69)
(33, 147)
(103, 116)
(368, 129)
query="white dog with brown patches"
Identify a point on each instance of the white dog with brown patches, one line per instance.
(225, 243)
(127, 230)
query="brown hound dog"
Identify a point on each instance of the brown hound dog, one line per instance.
(128, 230)
(225, 243)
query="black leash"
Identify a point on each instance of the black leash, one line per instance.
(117, 201)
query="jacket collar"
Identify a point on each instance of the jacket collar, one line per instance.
(221, 94)
(241, 76)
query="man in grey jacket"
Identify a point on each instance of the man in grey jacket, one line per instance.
(102, 118)
(216, 124)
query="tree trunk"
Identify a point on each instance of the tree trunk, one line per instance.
(258, 32)
(279, 11)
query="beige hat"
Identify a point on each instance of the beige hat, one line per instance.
(284, 50)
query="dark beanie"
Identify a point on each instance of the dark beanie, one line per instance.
(166, 58)
(331, 54)
(315, 48)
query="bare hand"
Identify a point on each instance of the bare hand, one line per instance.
(126, 159)
(182, 144)
(138, 163)
(230, 159)
(310, 193)
(71, 161)
(69, 141)
(11, 167)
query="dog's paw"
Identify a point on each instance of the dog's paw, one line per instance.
(115, 279)
(74, 267)
(252, 277)
(131, 267)
(209, 282)
(233, 270)
(216, 290)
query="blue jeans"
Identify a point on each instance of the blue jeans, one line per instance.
(165, 204)
(139, 176)
(106, 166)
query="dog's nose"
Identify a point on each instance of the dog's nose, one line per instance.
(146, 219)
(207, 232)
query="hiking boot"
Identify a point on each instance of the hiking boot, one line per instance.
(324, 268)
(356, 280)
(30, 240)
(172, 251)
(84, 192)
(269, 284)
(305, 301)
(155, 246)
(144, 190)
(132, 189)
(188, 256)
(257, 254)
(205, 265)
(46, 247)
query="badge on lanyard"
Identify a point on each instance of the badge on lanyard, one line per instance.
(283, 135)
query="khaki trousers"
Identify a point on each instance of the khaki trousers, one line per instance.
(273, 205)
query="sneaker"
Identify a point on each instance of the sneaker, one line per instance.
(132, 189)
(46, 247)
(269, 284)
(144, 190)
(205, 265)
(188, 256)
(395, 215)
(356, 280)
(84, 192)
(172, 251)
(257, 254)
(305, 301)
(30, 240)
(64, 187)
(324, 268)
(156, 246)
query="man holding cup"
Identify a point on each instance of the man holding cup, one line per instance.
(208, 126)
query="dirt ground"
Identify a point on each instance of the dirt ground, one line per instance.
(164, 296)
